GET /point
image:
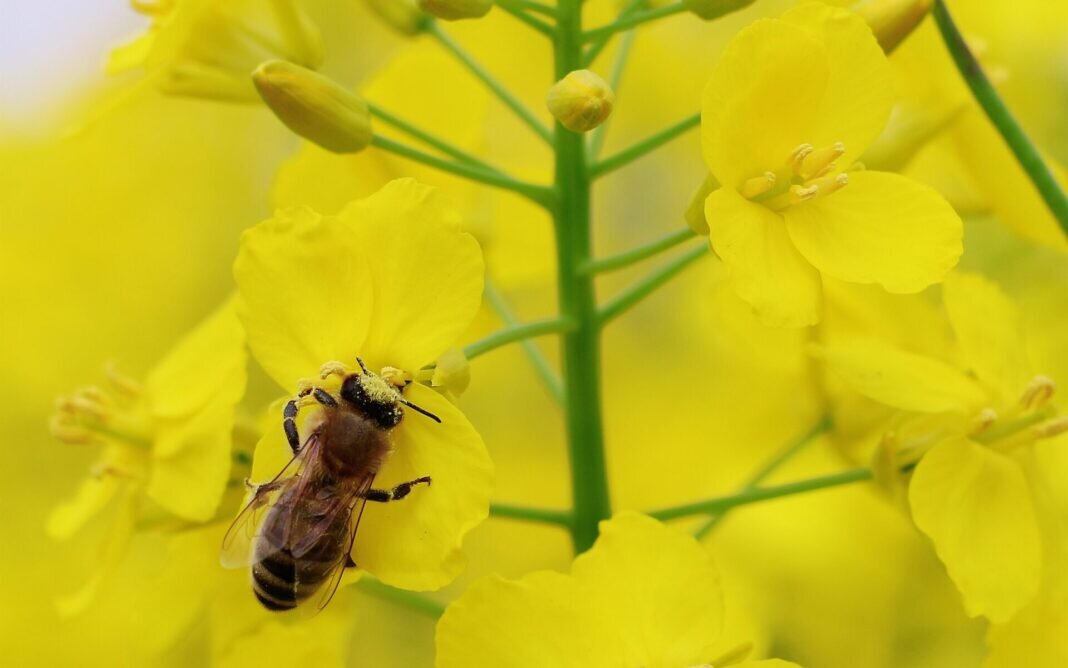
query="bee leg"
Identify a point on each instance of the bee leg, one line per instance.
(397, 493)
(349, 563)
(289, 413)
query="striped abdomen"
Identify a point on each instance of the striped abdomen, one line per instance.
(282, 582)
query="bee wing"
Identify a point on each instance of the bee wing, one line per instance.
(334, 579)
(237, 546)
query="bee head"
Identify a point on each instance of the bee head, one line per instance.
(375, 398)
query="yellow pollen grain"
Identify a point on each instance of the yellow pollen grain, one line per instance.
(378, 389)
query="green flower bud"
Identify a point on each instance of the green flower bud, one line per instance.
(713, 9)
(892, 20)
(452, 10)
(314, 107)
(404, 16)
(580, 101)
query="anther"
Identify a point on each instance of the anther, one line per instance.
(797, 157)
(69, 433)
(819, 162)
(795, 195)
(983, 420)
(830, 184)
(758, 185)
(124, 384)
(395, 376)
(334, 368)
(1051, 428)
(1038, 392)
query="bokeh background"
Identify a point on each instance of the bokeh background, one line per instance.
(120, 221)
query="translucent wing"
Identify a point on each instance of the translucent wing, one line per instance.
(240, 539)
(334, 579)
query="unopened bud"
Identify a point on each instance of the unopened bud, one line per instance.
(713, 9)
(404, 16)
(695, 212)
(452, 372)
(314, 107)
(454, 10)
(892, 20)
(580, 101)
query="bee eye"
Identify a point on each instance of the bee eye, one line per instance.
(352, 390)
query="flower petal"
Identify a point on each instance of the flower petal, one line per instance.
(901, 379)
(426, 273)
(859, 94)
(658, 587)
(975, 506)
(881, 228)
(543, 619)
(415, 543)
(305, 293)
(207, 365)
(762, 100)
(92, 496)
(765, 268)
(987, 327)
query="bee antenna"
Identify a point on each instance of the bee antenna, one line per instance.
(362, 366)
(415, 408)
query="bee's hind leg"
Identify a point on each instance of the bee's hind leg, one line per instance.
(397, 493)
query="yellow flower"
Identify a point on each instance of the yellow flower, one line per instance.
(969, 492)
(166, 444)
(644, 596)
(790, 106)
(391, 280)
(208, 48)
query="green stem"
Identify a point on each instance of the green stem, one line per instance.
(517, 333)
(543, 515)
(539, 194)
(644, 146)
(644, 287)
(580, 348)
(722, 504)
(614, 79)
(541, 364)
(515, 9)
(429, 139)
(598, 46)
(627, 258)
(784, 455)
(498, 89)
(1026, 153)
(536, 7)
(409, 599)
(632, 21)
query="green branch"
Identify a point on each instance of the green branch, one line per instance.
(634, 255)
(644, 146)
(498, 89)
(516, 9)
(1026, 153)
(633, 21)
(722, 504)
(784, 455)
(517, 333)
(542, 515)
(409, 599)
(429, 139)
(614, 79)
(598, 45)
(541, 364)
(647, 285)
(540, 194)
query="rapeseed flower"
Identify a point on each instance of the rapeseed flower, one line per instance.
(166, 445)
(643, 596)
(789, 108)
(392, 280)
(978, 421)
(208, 48)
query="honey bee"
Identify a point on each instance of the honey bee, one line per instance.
(298, 530)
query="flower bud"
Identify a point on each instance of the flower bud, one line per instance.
(892, 20)
(713, 9)
(580, 101)
(314, 106)
(452, 373)
(453, 10)
(401, 15)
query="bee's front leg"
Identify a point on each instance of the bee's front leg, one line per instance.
(397, 493)
(289, 413)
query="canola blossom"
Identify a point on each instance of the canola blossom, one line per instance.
(432, 356)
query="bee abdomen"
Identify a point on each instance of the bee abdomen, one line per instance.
(274, 581)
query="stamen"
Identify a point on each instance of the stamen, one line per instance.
(1051, 428)
(830, 184)
(797, 157)
(758, 185)
(819, 162)
(395, 376)
(795, 195)
(124, 384)
(1038, 392)
(983, 421)
(334, 368)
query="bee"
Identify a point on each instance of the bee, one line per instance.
(298, 530)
